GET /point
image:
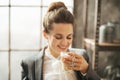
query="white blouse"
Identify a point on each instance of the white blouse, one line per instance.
(53, 70)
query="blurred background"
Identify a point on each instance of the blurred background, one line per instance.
(20, 33)
(21, 36)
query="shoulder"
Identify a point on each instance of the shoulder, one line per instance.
(30, 60)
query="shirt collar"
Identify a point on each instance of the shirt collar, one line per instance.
(49, 55)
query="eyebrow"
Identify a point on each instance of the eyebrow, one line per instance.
(68, 34)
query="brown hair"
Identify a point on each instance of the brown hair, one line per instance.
(57, 13)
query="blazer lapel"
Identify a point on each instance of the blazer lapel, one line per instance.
(39, 65)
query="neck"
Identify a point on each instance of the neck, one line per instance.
(53, 52)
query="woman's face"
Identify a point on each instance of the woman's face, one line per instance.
(60, 37)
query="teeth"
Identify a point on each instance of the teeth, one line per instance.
(62, 47)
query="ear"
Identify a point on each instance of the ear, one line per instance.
(45, 34)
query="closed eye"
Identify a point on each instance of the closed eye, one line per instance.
(70, 36)
(58, 36)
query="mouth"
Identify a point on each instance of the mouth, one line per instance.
(63, 48)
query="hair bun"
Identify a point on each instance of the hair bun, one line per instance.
(56, 5)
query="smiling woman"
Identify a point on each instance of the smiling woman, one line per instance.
(60, 37)
(58, 27)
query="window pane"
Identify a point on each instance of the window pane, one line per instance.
(67, 2)
(16, 68)
(70, 9)
(25, 2)
(25, 28)
(4, 2)
(4, 28)
(3, 66)
(44, 42)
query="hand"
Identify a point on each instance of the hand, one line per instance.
(76, 62)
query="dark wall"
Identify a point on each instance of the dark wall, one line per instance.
(78, 13)
(110, 12)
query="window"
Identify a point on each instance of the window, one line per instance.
(20, 33)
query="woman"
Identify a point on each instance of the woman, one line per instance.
(58, 30)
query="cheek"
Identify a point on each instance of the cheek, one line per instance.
(70, 41)
(57, 42)
(54, 41)
(51, 40)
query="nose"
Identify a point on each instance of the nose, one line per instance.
(64, 42)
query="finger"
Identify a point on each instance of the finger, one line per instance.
(66, 61)
(77, 64)
(76, 67)
(73, 67)
(68, 58)
(77, 60)
(75, 54)
(73, 59)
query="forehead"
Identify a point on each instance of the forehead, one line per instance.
(62, 28)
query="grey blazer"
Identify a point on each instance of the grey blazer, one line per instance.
(32, 68)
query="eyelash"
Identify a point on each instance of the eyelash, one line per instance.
(69, 38)
(61, 37)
